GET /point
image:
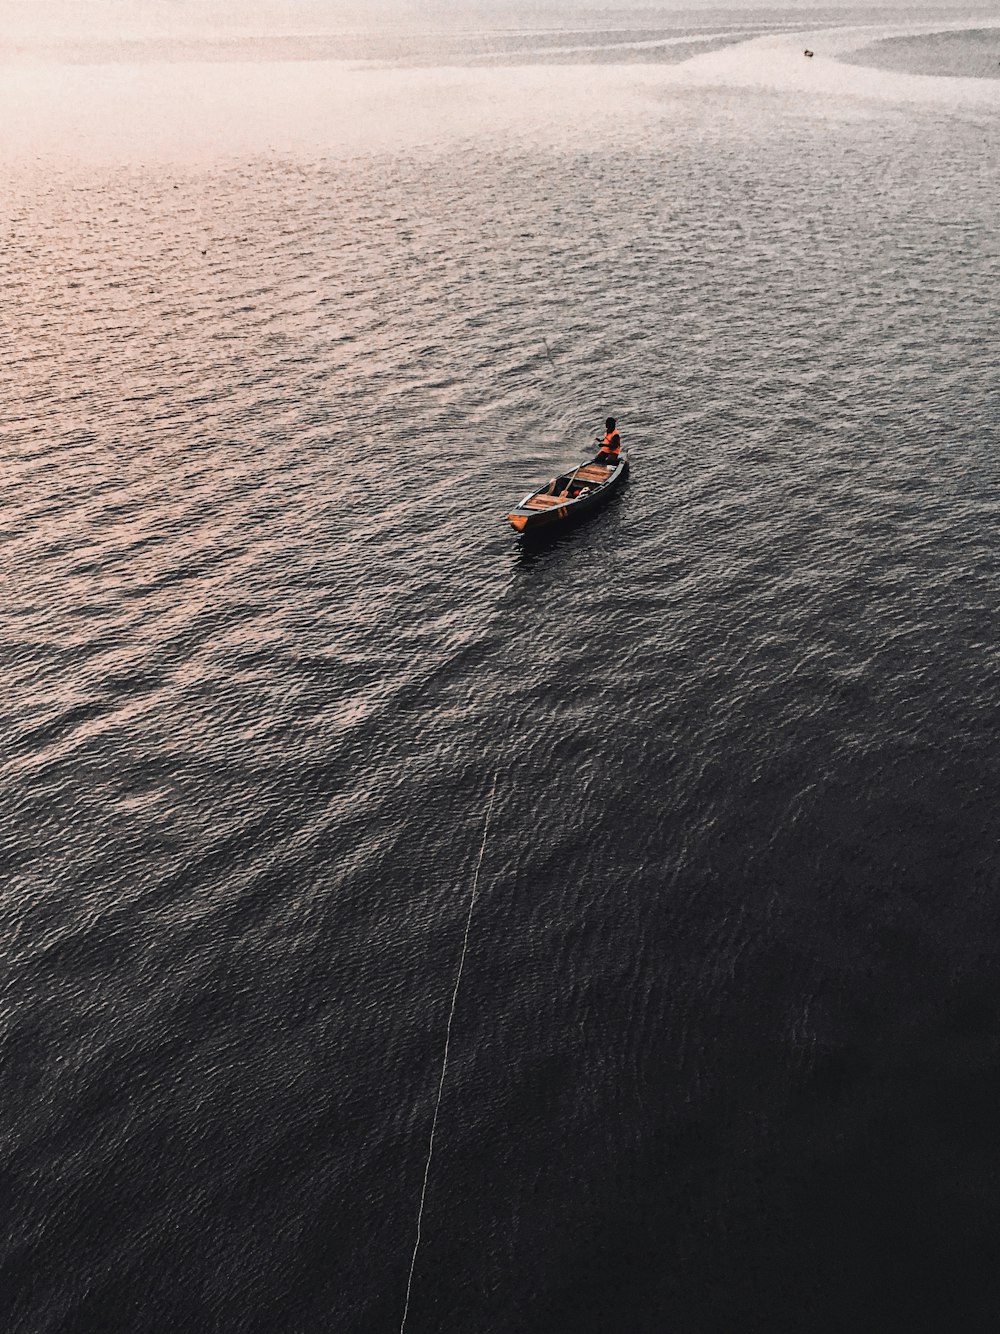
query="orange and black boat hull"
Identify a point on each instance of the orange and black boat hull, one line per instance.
(568, 498)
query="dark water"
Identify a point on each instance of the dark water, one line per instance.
(965, 54)
(726, 1054)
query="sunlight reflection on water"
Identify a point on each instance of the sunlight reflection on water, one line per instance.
(180, 110)
(285, 340)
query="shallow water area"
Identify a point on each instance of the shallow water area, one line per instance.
(287, 339)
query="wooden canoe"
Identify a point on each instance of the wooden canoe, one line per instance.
(568, 496)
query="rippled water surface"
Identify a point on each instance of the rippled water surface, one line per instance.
(725, 1053)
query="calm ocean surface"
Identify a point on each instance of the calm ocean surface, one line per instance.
(283, 339)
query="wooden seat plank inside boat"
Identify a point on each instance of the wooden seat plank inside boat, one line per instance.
(566, 497)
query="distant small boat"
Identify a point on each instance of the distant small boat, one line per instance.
(568, 496)
(808, 53)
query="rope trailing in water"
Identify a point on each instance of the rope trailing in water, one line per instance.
(447, 1044)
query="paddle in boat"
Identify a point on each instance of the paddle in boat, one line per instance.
(569, 496)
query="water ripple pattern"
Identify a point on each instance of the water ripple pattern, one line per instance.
(728, 1026)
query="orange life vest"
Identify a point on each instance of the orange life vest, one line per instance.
(612, 443)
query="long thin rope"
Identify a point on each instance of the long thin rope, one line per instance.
(447, 1044)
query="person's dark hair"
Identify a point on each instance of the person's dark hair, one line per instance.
(610, 423)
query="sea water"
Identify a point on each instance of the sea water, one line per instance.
(292, 315)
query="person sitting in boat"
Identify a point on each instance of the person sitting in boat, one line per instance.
(611, 445)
